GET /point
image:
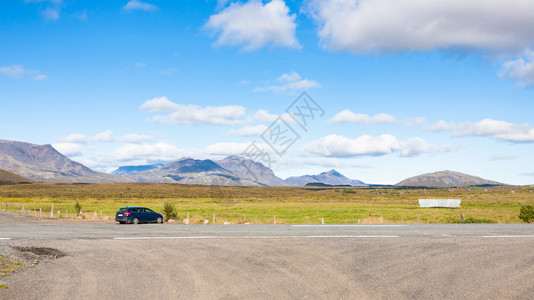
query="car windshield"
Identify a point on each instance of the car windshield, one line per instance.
(123, 209)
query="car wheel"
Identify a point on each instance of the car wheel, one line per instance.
(159, 220)
(135, 221)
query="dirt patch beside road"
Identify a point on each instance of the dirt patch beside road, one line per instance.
(245, 268)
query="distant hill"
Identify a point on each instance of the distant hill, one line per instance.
(7, 177)
(125, 170)
(331, 177)
(446, 179)
(43, 163)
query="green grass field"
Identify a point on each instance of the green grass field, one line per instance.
(293, 205)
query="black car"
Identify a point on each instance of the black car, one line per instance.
(136, 215)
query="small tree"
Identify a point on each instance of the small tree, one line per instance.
(526, 214)
(169, 211)
(77, 207)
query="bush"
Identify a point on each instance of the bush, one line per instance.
(77, 207)
(477, 220)
(473, 220)
(169, 211)
(526, 214)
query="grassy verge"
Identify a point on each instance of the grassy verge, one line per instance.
(295, 205)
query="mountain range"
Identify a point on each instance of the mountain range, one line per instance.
(43, 163)
(331, 177)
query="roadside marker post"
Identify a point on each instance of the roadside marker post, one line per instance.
(52, 211)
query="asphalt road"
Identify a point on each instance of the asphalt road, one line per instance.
(151, 261)
(167, 231)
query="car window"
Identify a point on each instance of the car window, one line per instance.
(148, 210)
(123, 209)
(136, 209)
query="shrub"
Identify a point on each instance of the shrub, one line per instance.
(526, 214)
(477, 220)
(473, 220)
(349, 191)
(77, 207)
(169, 211)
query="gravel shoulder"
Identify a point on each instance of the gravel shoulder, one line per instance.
(405, 268)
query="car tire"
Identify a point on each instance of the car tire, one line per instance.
(135, 221)
(159, 220)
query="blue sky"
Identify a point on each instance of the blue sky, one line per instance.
(401, 88)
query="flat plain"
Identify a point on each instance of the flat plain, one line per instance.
(280, 205)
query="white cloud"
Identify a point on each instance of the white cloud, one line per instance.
(249, 130)
(221, 4)
(40, 77)
(497, 26)
(17, 71)
(75, 138)
(169, 71)
(417, 146)
(193, 114)
(106, 136)
(139, 5)
(226, 148)
(500, 130)
(51, 14)
(51, 1)
(520, 70)
(254, 25)
(347, 116)
(263, 115)
(289, 82)
(149, 152)
(136, 138)
(417, 121)
(68, 149)
(366, 145)
(159, 104)
(82, 16)
(52, 10)
(241, 149)
(339, 146)
(498, 157)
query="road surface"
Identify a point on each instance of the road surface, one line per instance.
(151, 261)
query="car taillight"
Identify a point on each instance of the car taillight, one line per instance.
(127, 213)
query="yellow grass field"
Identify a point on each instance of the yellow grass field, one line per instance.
(267, 205)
